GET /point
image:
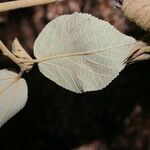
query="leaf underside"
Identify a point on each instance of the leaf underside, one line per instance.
(13, 95)
(81, 52)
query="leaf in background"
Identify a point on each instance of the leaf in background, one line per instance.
(13, 94)
(82, 53)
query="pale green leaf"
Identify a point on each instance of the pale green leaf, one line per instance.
(13, 94)
(81, 52)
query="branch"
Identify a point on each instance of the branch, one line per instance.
(5, 6)
(7, 53)
(24, 62)
(138, 11)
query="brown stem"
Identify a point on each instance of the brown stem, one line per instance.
(5, 6)
(20, 61)
(7, 53)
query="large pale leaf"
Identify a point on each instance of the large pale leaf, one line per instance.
(13, 95)
(81, 52)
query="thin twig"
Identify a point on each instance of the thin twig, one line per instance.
(7, 53)
(5, 6)
(25, 65)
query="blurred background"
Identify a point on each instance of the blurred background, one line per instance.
(116, 118)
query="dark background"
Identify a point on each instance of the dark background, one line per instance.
(117, 118)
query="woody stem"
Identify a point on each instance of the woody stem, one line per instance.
(5, 6)
(7, 53)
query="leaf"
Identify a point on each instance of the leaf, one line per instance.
(82, 53)
(13, 94)
(20, 53)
